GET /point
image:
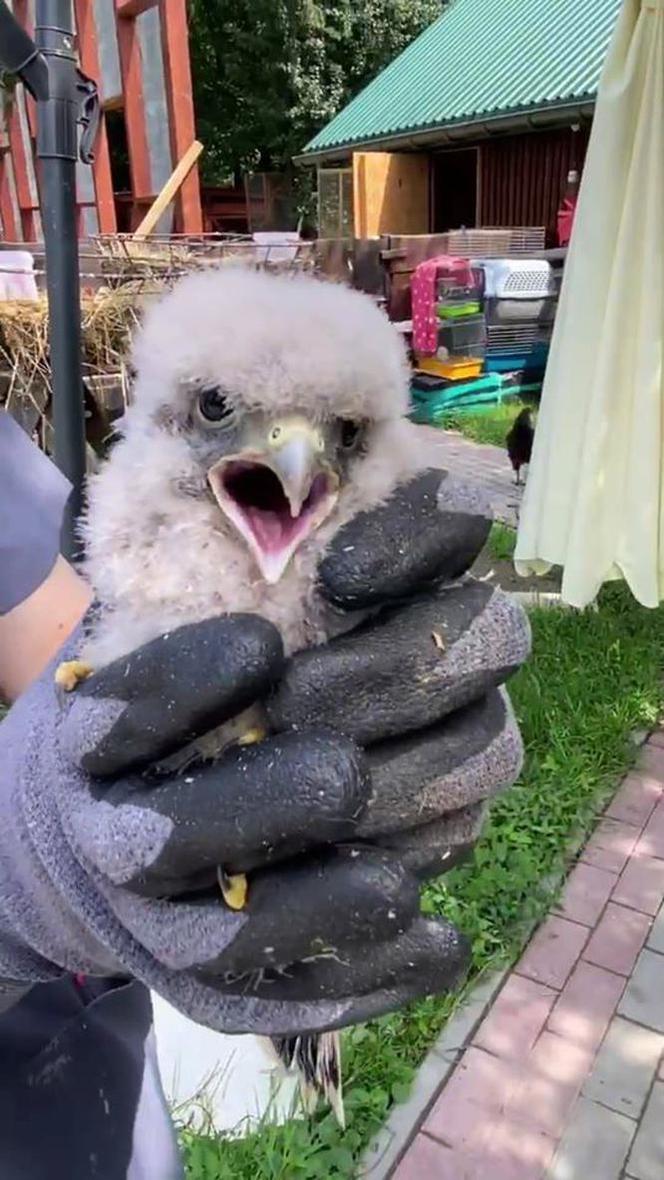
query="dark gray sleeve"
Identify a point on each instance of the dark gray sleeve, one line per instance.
(33, 494)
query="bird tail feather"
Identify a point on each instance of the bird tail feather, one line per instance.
(317, 1061)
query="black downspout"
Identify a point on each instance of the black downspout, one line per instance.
(57, 152)
(64, 99)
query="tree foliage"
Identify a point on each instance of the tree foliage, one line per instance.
(269, 73)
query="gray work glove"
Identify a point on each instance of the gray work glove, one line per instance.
(387, 742)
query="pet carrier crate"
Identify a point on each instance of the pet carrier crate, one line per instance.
(517, 348)
(508, 337)
(521, 311)
(516, 278)
(459, 295)
(518, 290)
(463, 337)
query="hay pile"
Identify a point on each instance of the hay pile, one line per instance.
(126, 274)
(108, 318)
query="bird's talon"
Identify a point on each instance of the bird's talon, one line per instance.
(70, 673)
(252, 737)
(234, 888)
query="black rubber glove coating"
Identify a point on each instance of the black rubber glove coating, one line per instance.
(180, 686)
(345, 897)
(400, 548)
(429, 957)
(393, 675)
(253, 807)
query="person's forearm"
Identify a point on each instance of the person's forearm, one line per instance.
(32, 633)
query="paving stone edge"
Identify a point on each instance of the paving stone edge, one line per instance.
(390, 1144)
(395, 1136)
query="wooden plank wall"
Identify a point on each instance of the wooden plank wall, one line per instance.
(138, 52)
(522, 177)
(102, 215)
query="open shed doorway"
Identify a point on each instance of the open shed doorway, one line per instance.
(454, 185)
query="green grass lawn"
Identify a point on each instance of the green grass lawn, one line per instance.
(502, 542)
(486, 426)
(593, 679)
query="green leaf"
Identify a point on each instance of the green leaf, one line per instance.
(400, 1092)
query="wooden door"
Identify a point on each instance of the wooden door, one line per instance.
(390, 193)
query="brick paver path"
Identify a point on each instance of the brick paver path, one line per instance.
(564, 1079)
(483, 466)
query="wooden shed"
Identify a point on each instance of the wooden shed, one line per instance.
(477, 122)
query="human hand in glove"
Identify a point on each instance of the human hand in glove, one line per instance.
(388, 740)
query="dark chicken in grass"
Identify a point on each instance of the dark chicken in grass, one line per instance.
(520, 442)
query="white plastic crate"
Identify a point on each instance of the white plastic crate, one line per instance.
(521, 311)
(17, 277)
(517, 278)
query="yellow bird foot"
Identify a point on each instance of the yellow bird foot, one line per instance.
(70, 673)
(234, 888)
(252, 737)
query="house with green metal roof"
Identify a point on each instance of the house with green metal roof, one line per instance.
(497, 94)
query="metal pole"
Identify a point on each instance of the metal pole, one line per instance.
(57, 151)
(64, 97)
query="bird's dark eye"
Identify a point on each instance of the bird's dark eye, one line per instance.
(214, 405)
(350, 434)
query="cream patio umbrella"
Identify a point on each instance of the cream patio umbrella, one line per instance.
(594, 501)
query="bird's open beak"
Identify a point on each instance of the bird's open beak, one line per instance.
(295, 463)
(276, 495)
